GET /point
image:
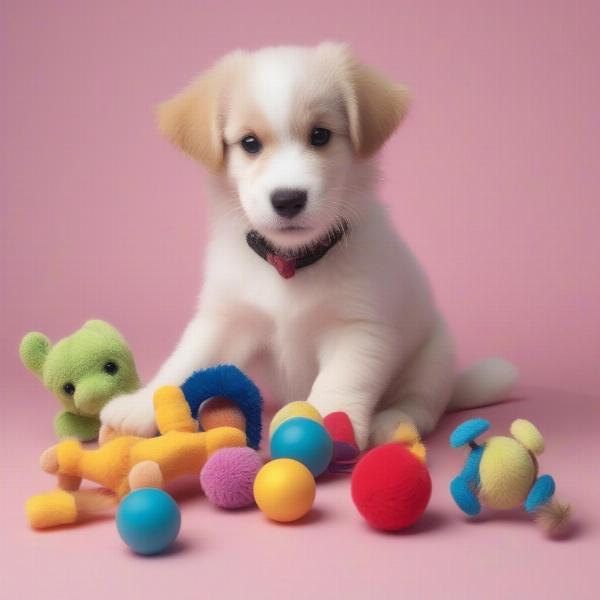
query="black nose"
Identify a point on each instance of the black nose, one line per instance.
(288, 203)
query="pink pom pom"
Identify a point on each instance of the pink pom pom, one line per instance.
(228, 477)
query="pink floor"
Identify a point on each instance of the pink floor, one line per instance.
(331, 553)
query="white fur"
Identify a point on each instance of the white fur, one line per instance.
(358, 331)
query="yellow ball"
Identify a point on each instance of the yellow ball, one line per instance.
(295, 409)
(284, 490)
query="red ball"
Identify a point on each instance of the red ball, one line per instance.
(391, 487)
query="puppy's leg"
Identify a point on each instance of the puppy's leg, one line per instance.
(423, 390)
(209, 338)
(357, 363)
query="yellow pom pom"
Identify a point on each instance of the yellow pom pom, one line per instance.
(528, 434)
(295, 409)
(408, 435)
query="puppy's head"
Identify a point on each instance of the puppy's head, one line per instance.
(287, 129)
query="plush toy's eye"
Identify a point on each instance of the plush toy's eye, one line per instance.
(111, 368)
(251, 144)
(69, 389)
(319, 136)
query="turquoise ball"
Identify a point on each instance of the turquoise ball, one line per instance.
(148, 520)
(303, 440)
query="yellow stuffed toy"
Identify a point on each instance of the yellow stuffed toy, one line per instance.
(126, 463)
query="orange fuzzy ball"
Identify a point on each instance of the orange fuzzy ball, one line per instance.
(221, 412)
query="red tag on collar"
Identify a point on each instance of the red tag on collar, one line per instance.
(285, 267)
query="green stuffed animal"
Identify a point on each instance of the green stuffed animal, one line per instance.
(84, 371)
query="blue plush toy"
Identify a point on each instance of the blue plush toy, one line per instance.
(229, 383)
(502, 473)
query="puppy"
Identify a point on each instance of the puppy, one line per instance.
(306, 283)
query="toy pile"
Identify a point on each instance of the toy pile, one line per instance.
(211, 427)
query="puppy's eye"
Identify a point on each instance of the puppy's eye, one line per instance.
(110, 367)
(251, 144)
(319, 136)
(69, 389)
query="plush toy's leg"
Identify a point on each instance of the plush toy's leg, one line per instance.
(172, 412)
(60, 507)
(146, 474)
(464, 497)
(70, 425)
(49, 464)
(541, 492)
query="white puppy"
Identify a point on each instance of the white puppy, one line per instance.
(306, 282)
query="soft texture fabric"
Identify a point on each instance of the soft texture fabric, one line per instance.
(227, 381)
(228, 477)
(507, 473)
(84, 371)
(468, 432)
(179, 450)
(528, 435)
(464, 496)
(69, 424)
(391, 487)
(51, 509)
(541, 493)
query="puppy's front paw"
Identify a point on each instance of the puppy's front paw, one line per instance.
(132, 414)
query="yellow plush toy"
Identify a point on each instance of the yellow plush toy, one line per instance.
(126, 463)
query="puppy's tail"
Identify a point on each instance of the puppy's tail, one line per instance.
(486, 382)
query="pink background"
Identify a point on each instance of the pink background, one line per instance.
(494, 180)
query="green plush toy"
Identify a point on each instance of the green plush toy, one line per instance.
(84, 371)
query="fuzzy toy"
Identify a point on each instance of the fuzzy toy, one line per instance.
(224, 395)
(502, 473)
(391, 485)
(84, 371)
(126, 463)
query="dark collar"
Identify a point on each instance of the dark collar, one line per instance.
(287, 265)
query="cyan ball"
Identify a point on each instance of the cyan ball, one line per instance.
(148, 520)
(303, 440)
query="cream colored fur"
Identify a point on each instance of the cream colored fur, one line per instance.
(359, 330)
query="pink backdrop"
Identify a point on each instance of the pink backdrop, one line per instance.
(494, 179)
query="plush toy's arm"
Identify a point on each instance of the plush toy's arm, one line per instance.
(70, 425)
(172, 412)
(464, 486)
(540, 493)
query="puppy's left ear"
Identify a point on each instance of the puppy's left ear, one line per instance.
(193, 119)
(376, 106)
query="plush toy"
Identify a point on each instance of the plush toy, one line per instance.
(224, 395)
(502, 473)
(126, 463)
(84, 371)
(391, 486)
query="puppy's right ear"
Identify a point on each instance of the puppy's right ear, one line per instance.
(193, 119)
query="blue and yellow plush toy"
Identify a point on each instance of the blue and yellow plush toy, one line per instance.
(502, 473)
